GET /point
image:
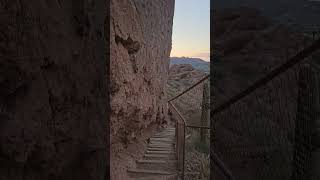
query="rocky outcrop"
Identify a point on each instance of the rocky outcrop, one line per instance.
(140, 48)
(195, 62)
(53, 90)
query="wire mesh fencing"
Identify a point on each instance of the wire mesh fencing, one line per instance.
(269, 131)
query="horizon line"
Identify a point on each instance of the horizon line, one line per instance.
(207, 60)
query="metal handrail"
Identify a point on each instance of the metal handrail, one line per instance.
(191, 87)
(184, 135)
(215, 158)
(184, 123)
(221, 166)
(181, 117)
(259, 83)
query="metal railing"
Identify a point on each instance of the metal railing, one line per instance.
(181, 125)
(267, 130)
(180, 140)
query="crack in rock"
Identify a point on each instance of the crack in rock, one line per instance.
(132, 46)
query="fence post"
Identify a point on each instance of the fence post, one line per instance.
(305, 122)
(205, 114)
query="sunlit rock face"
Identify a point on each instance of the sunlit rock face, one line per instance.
(140, 48)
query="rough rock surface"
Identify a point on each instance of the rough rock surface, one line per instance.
(140, 48)
(53, 90)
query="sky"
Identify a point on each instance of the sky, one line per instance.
(191, 29)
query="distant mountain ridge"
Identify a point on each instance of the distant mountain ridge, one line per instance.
(197, 63)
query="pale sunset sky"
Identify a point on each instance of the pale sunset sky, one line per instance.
(191, 29)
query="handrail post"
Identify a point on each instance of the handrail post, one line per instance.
(184, 147)
(177, 144)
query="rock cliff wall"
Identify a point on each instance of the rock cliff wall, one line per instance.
(140, 48)
(53, 90)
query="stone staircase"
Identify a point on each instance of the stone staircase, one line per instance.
(159, 161)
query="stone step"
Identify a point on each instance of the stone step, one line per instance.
(161, 139)
(168, 129)
(161, 149)
(160, 146)
(166, 132)
(172, 138)
(159, 156)
(164, 136)
(160, 152)
(157, 164)
(161, 142)
(151, 161)
(145, 171)
(156, 177)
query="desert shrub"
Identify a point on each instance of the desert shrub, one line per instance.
(197, 158)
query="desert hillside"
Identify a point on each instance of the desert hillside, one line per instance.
(195, 62)
(182, 76)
